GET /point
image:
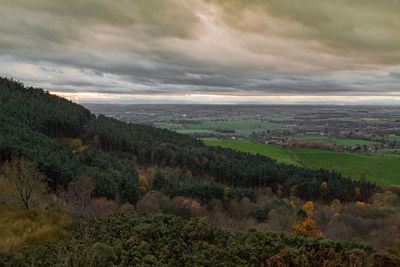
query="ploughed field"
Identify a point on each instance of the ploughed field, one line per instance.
(384, 169)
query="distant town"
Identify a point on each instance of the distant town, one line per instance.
(340, 128)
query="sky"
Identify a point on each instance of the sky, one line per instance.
(205, 51)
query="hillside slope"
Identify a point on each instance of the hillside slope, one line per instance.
(34, 123)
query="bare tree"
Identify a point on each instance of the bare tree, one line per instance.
(79, 196)
(27, 180)
(79, 191)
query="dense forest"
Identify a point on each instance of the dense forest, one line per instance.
(99, 184)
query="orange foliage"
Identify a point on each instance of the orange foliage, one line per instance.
(308, 228)
(361, 204)
(308, 207)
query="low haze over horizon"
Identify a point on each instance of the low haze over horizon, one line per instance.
(205, 51)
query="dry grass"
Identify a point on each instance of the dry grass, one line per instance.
(8, 195)
(27, 228)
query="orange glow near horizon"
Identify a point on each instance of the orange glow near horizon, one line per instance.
(216, 98)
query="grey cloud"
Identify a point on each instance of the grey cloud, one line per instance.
(366, 29)
(122, 47)
(157, 17)
(395, 75)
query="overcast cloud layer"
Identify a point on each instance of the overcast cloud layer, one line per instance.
(205, 51)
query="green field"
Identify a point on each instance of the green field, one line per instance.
(275, 152)
(384, 169)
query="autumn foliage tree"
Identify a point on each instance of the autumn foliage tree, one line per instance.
(307, 228)
(308, 207)
(75, 144)
(143, 185)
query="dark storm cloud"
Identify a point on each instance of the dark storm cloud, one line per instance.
(203, 46)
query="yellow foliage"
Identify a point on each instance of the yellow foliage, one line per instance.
(142, 179)
(189, 173)
(143, 184)
(292, 204)
(308, 207)
(361, 204)
(308, 228)
(75, 144)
